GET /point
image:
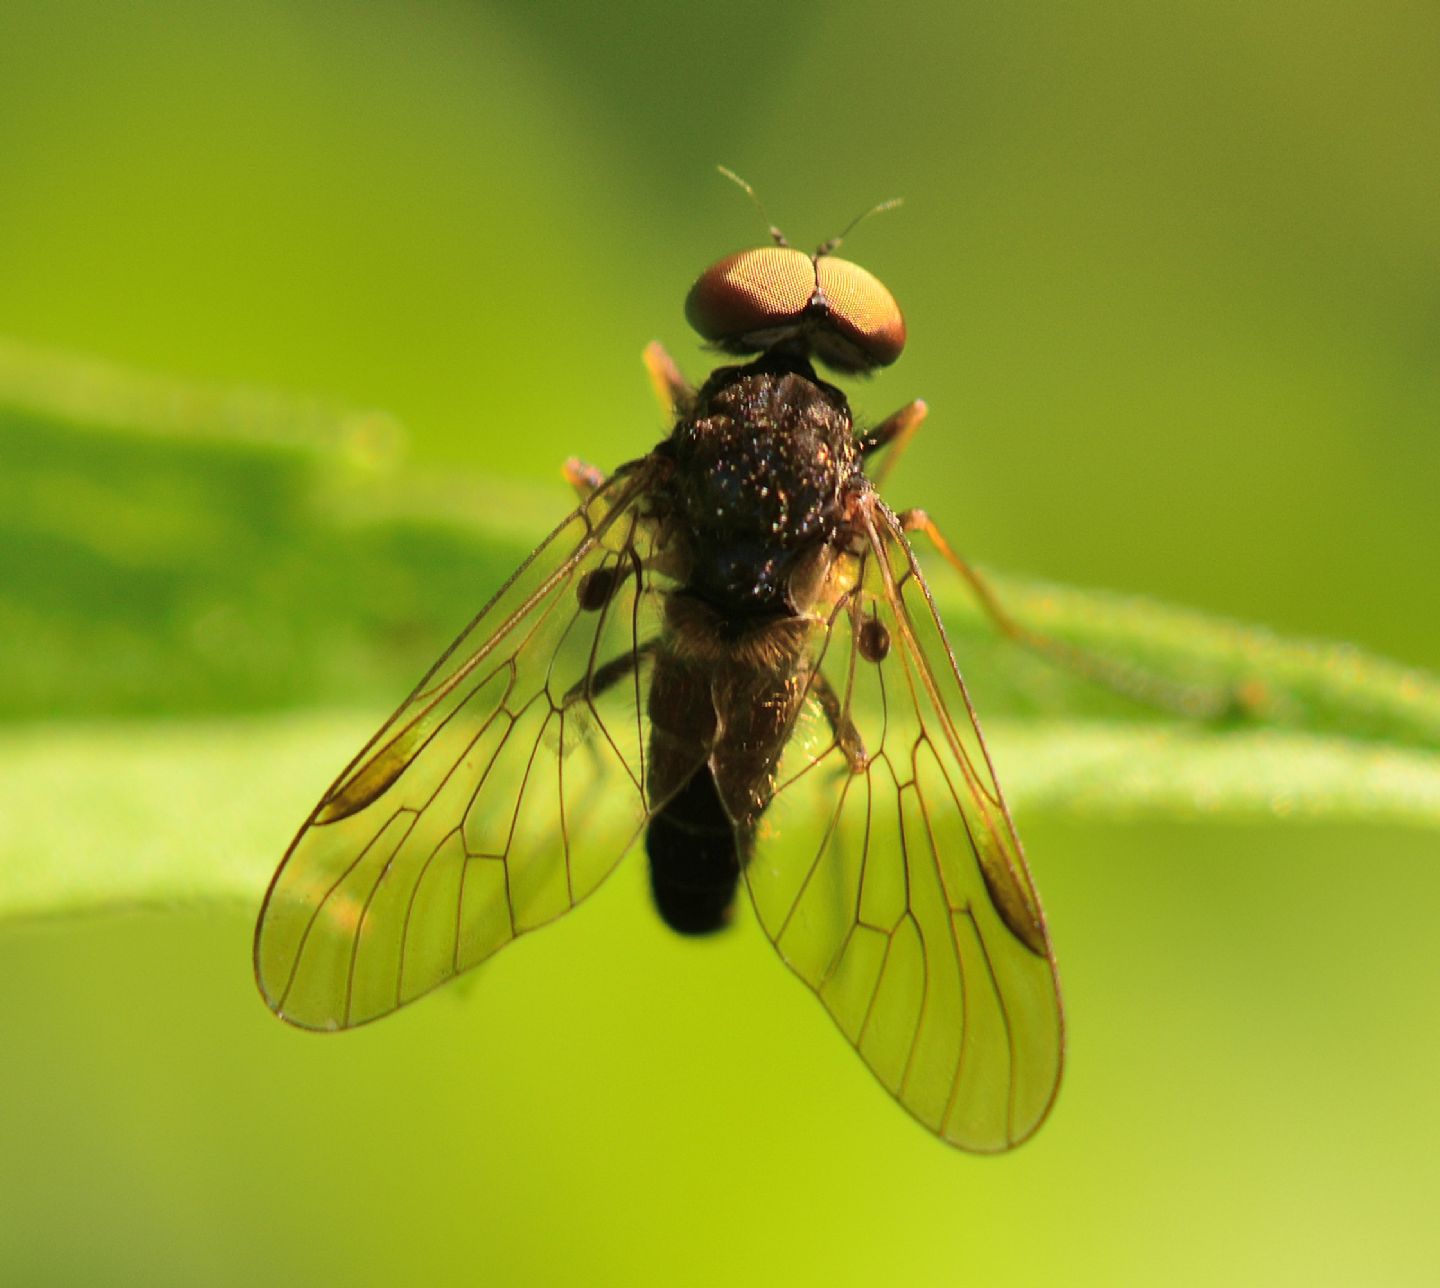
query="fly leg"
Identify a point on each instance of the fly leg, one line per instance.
(894, 432)
(671, 388)
(676, 397)
(594, 593)
(578, 716)
(846, 734)
(585, 479)
(606, 676)
(1194, 701)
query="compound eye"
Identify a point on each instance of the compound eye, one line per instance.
(862, 311)
(741, 302)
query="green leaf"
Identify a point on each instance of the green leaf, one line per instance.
(210, 598)
(169, 813)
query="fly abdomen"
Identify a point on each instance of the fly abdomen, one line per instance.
(694, 864)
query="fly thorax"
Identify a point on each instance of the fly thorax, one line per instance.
(760, 470)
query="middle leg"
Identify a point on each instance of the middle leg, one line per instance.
(1195, 701)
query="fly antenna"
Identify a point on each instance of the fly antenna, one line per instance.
(833, 244)
(734, 178)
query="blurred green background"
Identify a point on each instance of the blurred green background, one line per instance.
(1172, 275)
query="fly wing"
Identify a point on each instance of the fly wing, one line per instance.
(889, 876)
(497, 797)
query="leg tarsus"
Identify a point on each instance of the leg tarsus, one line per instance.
(894, 432)
(671, 388)
(585, 479)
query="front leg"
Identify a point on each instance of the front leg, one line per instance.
(585, 479)
(894, 432)
(675, 393)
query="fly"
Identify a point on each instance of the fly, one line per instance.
(727, 653)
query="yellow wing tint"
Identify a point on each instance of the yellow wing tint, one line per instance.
(501, 793)
(888, 874)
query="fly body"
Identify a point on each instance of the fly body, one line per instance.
(755, 509)
(729, 655)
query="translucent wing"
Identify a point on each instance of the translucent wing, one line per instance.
(501, 793)
(888, 874)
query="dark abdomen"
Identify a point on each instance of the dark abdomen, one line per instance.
(694, 865)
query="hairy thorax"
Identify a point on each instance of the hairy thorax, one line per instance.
(756, 497)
